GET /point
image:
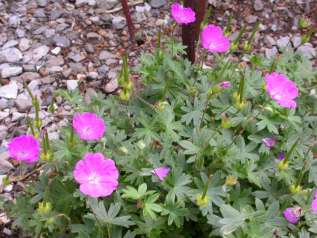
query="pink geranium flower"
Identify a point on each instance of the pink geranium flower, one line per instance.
(88, 126)
(161, 172)
(269, 142)
(281, 89)
(225, 84)
(97, 175)
(182, 15)
(214, 40)
(292, 214)
(24, 148)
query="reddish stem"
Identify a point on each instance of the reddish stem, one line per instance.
(190, 32)
(127, 14)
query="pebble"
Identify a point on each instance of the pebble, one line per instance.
(61, 41)
(158, 3)
(40, 52)
(11, 55)
(14, 21)
(258, 5)
(283, 42)
(271, 53)
(56, 50)
(107, 5)
(72, 85)
(297, 41)
(23, 102)
(10, 71)
(9, 91)
(112, 85)
(24, 44)
(9, 44)
(104, 55)
(41, 3)
(118, 22)
(307, 50)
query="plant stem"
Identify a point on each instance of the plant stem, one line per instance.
(127, 14)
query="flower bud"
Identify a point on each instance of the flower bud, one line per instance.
(124, 150)
(44, 208)
(225, 122)
(295, 189)
(282, 165)
(162, 105)
(231, 180)
(202, 201)
(141, 145)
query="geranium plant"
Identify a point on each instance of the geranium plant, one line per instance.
(226, 151)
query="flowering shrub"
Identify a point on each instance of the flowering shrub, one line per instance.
(218, 152)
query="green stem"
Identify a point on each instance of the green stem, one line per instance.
(289, 153)
(206, 187)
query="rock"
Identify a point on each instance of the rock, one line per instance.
(5, 165)
(76, 56)
(270, 53)
(251, 19)
(104, 55)
(61, 41)
(3, 134)
(118, 22)
(56, 50)
(142, 9)
(23, 102)
(93, 75)
(14, 21)
(39, 13)
(28, 76)
(11, 55)
(93, 36)
(283, 42)
(17, 116)
(307, 50)
(103, 70)
(297, 41)
(107, 4)
(9, 91)
(49, 33)
(112, 85)
(72, 85)
(158, 3)
(4, 114)
(55, 61)
(269, 41)
(9, 44)
(11, 71)
(89, 48)
(20, 33)
(24, 44)
(79, 3)
(258, 5)
(56, 13)
(41, 3)
(3, 104)
(40, 52)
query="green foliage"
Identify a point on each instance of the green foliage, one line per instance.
(182, 119)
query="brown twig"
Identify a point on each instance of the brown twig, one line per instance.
(21, 178)
(127, 14)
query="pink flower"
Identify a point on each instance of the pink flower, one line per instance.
(88, 126)
(97, 175)
(315, 194)
(292, 214)
(281, 89)
(269, 142)
(213, 39)
(182, 15)
(225, 84)
(314, 206)
(24, 148)
(161, 172)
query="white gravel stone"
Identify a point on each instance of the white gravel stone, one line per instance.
(11, 71)
(11, 55)
(72, 85)
(9, 91)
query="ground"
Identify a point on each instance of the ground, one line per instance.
(70, 44)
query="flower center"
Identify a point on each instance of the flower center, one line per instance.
(93, 179)
(87, 130)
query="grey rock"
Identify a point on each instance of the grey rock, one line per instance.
(20, 33)
(77, 68)
(93, 36)
(55, 61)
(11, 71)
(307, 50)
(103, 70)
(93, 75)
(11, 55)
(49, 33)
(158, 3)
(17, 116)
(251, 19)
(14, 21)
(24, 44)
(283, 42)
(4, 114)
(107, 4)
(3, 38)
(5, 165)
(56, 50)
(112, 85)
(61, 27)
(118, 22)
(40, 30)
(40, 52)
(3, 104)
(41, 3)
(297, 41)
(61, 41)
(104, 55)
(9, 91)
(258, 5)
(89, 48)
(72, 85)
(23, 103)
(56, 13)
(9, 44)
(269, 41)
(79, 3)
(271, 53)
(39, 13)
(76, 56)
(28, 76)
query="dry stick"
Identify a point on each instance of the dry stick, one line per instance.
(190, 32)
(21, 178)
(127, 14)
(120, 8)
